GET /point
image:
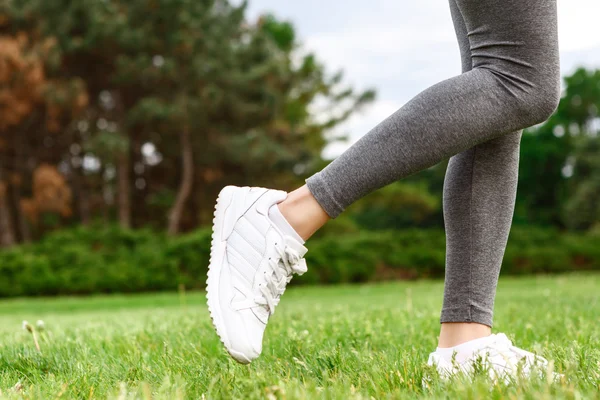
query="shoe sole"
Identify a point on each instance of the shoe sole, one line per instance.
(217, 251)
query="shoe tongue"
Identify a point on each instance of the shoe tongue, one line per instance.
(295, 245)
(501, 338)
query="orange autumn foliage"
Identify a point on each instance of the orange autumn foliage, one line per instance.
(51, 193)
(22, 80)
(24, 84)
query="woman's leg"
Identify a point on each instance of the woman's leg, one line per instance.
(514, 83)
(479, 198)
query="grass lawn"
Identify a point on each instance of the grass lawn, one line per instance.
(323, 342)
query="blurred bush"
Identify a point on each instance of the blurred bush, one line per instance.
(87, 260)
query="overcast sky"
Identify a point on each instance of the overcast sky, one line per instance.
(400, 47)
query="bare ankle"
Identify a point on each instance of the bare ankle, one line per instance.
(303, 212)
(455, 333)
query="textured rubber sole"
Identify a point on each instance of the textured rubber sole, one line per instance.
(217, 251)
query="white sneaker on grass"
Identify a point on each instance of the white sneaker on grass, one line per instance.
(251, 262)
(495, 355)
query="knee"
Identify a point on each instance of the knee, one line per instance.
(539, 105)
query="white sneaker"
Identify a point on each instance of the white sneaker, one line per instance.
(498, 357)
(251, 262)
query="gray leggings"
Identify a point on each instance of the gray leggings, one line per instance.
(510, 81)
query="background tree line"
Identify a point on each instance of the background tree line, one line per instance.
(138, 112)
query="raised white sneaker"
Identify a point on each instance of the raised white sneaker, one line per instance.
(498, 357)
(251, 262)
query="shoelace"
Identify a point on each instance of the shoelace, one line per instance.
(288, 264)
(503, 347)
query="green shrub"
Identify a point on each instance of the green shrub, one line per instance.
(86, 260)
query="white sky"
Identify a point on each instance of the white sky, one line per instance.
(400, 47)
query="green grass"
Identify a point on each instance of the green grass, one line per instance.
(323, 342)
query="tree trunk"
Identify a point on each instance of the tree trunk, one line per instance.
(107, 198)
(21, 153)
(7, 235)
(187, 181)
(23, 224)
(123, 188)
(81, 197)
